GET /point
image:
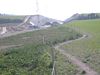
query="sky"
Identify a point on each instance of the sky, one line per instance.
(57, 9)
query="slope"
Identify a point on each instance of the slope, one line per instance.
(88, 49)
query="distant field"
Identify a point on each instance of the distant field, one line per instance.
(11, 19)
(88, 49)
(34, 56)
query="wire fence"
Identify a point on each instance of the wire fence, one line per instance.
(53, 69)
(45, 41)
(53, 61)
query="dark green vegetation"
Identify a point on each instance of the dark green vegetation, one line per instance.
(84, 16)
(34, 56)
(27, 60)
(11, 19)
(88, 49)
(88, 16)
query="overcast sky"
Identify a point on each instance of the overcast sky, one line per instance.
(57, 9)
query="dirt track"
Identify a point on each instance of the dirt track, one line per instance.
(74, 59)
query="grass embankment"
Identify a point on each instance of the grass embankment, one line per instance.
(88, 49)
(34, 57)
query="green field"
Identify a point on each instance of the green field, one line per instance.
(34, 56)
(11, 17)
(87, 49)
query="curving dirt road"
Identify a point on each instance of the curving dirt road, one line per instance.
(74, 59)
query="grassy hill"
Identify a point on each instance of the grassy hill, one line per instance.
(88, 49)
(34, 56)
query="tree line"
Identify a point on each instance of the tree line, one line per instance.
(88, 16)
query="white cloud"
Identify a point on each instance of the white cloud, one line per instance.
(58, 9)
